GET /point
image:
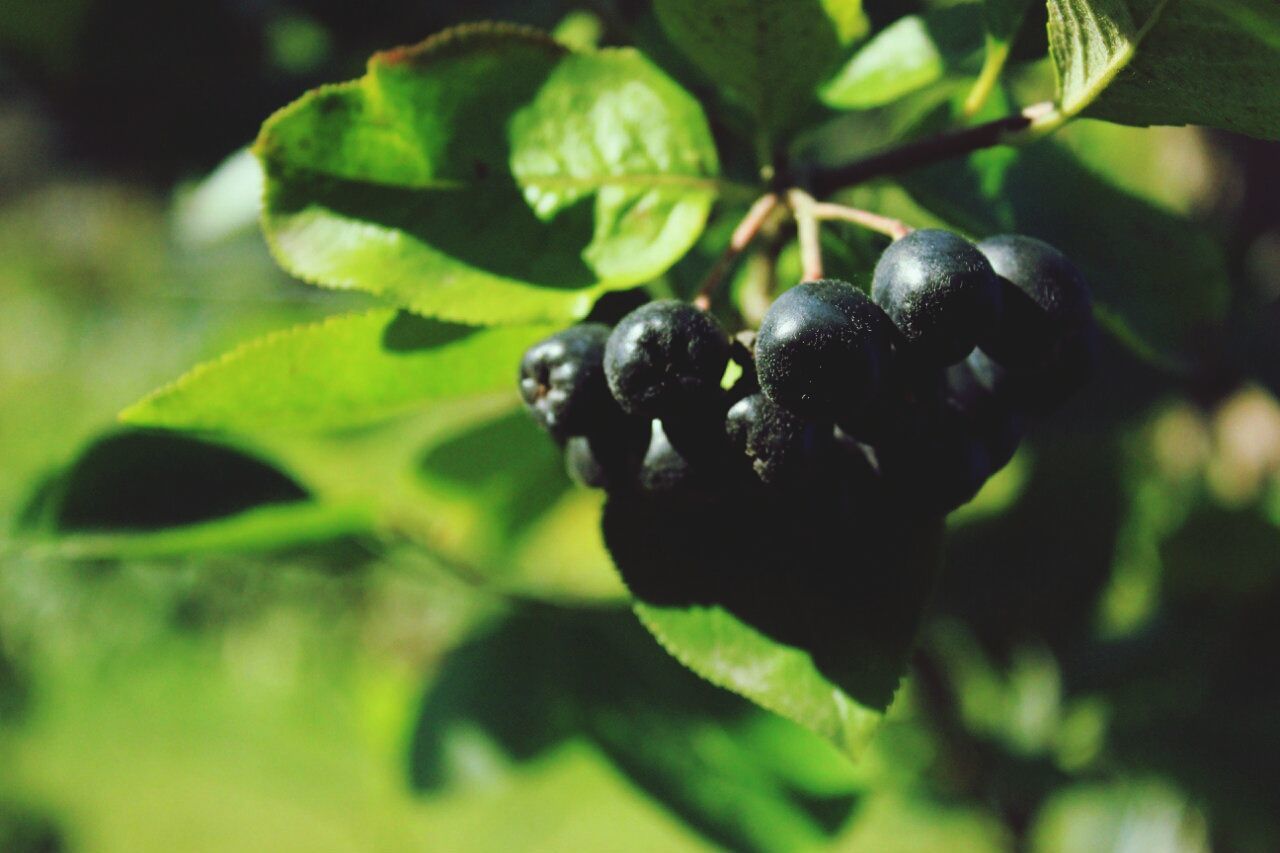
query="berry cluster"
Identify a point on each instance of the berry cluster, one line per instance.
(914, 395)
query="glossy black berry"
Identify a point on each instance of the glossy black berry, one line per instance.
(1046, 300)
(822, 349)
(664, 357)
(782, 448)
(940, 292)
(562, 380)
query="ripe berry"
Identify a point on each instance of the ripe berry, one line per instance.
(822, 349)
(1046, 299)
(783, 449)
(562, 380)
(940, 292)
(1045, 348)
(663, 357)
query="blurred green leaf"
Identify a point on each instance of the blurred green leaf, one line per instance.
(911, 53)
(488, 175)
(348, 370)
(1211, 62)
(496, 497)
(769, 54)
(546, 677)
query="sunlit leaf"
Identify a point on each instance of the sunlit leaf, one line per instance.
(488, 175)
(348, 370)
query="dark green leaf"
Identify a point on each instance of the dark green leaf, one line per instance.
(1003, 17)
(348, 370)
(769, 54)
(910, 54)
(489, 176)
(145, 494)
(146, 480)
(1211, 62)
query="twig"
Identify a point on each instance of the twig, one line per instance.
(802, 205)
(913, 155)
(742, 236)
(895, 228)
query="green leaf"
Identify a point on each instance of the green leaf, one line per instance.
(348, 370)
(780, 678)
(488, 175)
(494, 495)
(769, 54)
(261, 529)
(910, 54)
(753, 596)
(1210, 62)
(1157, 274)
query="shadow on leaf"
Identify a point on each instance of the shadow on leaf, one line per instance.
(848, 586)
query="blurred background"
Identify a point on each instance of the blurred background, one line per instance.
(1097, 673)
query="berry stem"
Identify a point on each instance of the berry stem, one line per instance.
(804, 208)
(895, 228)
(742, 236)
(1003, 131)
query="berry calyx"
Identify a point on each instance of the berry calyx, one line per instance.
(940, 292)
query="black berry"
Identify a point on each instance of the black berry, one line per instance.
(1046, 299)
(664, 357)
(783, 449)
(822, 349)
(562, 380)
(1046, 346)
(940, 292)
